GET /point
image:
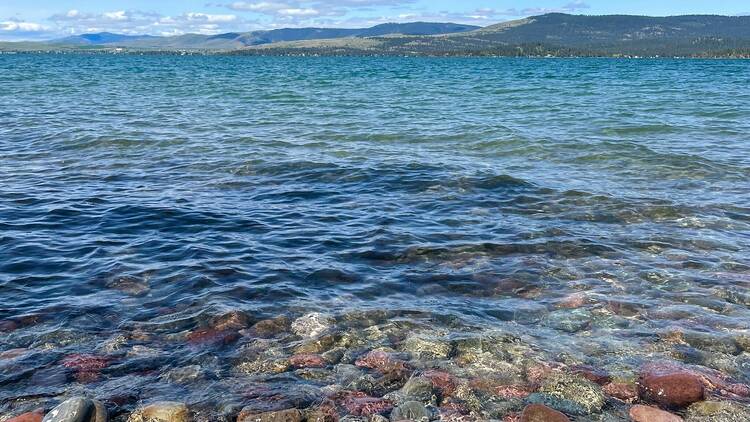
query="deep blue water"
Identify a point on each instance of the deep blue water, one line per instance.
(141, 197)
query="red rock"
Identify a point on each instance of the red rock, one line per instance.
(542, 413)
(359, 404)
(443, 381)
(621, 390)
(512, 391)
(572, 301)
(741, 390)
(382, 362)
(454, 412)
(641, 413)
(35, 416)
(595, 375)
(233, 320)
(268, 328)
(211, 336)
(85, 363)
(307, 361)
(669, 386)
(539, 372)
(8, 326)
(87, 377)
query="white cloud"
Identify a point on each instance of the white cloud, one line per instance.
(299, 12)
(16, 26)
(119, 15)
(210, 18)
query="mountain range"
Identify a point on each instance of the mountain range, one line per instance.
(552, 34)
(235, 40)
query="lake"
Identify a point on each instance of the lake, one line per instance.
(316, 233)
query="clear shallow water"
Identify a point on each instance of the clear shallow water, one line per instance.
(596, 211)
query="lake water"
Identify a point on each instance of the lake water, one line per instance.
(237, 232)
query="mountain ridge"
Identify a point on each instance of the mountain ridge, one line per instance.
(553, 34)
(232, 40)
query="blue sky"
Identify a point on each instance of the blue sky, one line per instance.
(44, 19)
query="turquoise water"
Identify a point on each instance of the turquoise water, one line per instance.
(588, 212)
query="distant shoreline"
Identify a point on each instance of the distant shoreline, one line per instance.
(256, 53)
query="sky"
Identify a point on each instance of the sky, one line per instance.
(49, 19)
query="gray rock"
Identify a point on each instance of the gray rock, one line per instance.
(411, 411)
(184, 375)
(557, 403)
(312, 325)
(419, 389)
(78, 409)
(712, 342)
(570, 321)
(586, 394)
(288, 415)
(427, 347)
(161, 412)
(716, 411)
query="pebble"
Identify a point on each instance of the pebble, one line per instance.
(161, 412)
(717, 411)
(35, 416)
(78, 409)
(233, 320)
(312, 325)
(211, 336)
(443, 381)
(289, 415)
(268, 328)
(411, 411)
(542, 413)
(184, 375)
(640, 413)
(426, 347)
(627, 392)
(359, 404)
(670, 387)
(575, 389)
(569, 321)
(419, 389)
(598, 376)
(307, 361)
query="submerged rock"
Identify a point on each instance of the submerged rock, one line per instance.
(570, 321)
(642, 413)
(78, 409)
(418, 389)
(161, 412)
(411, 411)
(359, 404)
(129, 285)
(586, 394)
(312, 325)
(289, 415)
(269, 327)
(442, 381)
(717, 411)
(541, 413)
(35, 416)
(232, 320)
(669, 386)
(625, 391)
(307, 361)
(184, 375)
(427, 347)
